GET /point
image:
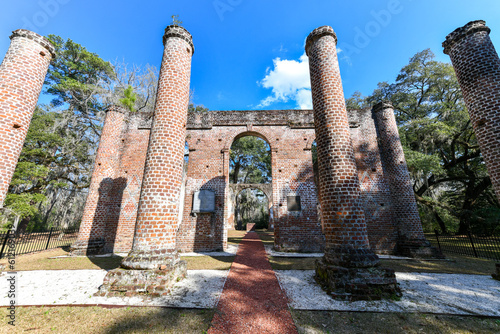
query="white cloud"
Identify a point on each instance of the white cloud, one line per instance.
(289, 80)
(304, 99)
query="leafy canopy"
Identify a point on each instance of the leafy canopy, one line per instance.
(451, 183)
(250, 161)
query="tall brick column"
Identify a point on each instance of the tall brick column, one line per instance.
(97, 207)
(349, 268)
(477, 67)
(411, 240)
(22, 74)
(154, 263)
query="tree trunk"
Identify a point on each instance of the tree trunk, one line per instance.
(440, 222)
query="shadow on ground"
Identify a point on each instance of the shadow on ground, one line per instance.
(369, 322)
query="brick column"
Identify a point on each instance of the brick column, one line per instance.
(22, 74)
(154, 259)
(411, 239)
(95, 214)
(477, 67)
(348, 268)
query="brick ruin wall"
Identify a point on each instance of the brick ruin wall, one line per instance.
(290, 135)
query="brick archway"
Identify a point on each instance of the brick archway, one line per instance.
(266, 188)
(290, 135)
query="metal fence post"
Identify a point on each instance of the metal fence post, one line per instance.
(4, 243)
(472, 243)
(50, 234)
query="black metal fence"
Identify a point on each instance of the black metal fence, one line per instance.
(467, 244)
(36, 241)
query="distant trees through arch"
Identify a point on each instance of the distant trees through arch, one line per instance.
(252, 206)
(250, 161)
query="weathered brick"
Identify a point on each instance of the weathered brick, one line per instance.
(477, 67)
(349, 266)
(22, 74)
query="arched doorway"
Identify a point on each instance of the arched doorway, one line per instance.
(251, 207)
(250, 180)
(250, 160)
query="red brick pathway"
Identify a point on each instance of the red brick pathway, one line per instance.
(252, 300)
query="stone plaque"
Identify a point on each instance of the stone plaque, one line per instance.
(293, 203)
(204, 201)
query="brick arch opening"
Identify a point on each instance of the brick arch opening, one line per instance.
(257, 135)
(237, 189)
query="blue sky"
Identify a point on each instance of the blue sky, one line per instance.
(250, 54)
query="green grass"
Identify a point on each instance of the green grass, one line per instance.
(488, 248)
(127, 320)
(234, 237)
(45, 261)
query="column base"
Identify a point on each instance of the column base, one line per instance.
(351, 257)
(351, 284)
(90, 247)
(153, 283)
(162, 259)
(417, 248)
(497, 274)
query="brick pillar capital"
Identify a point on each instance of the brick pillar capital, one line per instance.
(460, 33)
(317, 34)
(381, 106)
(116, 108)
(36, 38)
(179, 32)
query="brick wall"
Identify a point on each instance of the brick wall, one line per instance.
(359, 182)
(290, 134)
(477, 67)
(375, 192)
(22, 73)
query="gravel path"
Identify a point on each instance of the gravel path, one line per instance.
(252, 300)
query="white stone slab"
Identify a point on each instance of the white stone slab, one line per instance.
(422, 292)
(271, 252)
(201, 289)
(230, 251)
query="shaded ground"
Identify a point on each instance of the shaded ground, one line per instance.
(100, 320)
(163, 320)
(453, 265)
(368, 322)
(43, 261)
